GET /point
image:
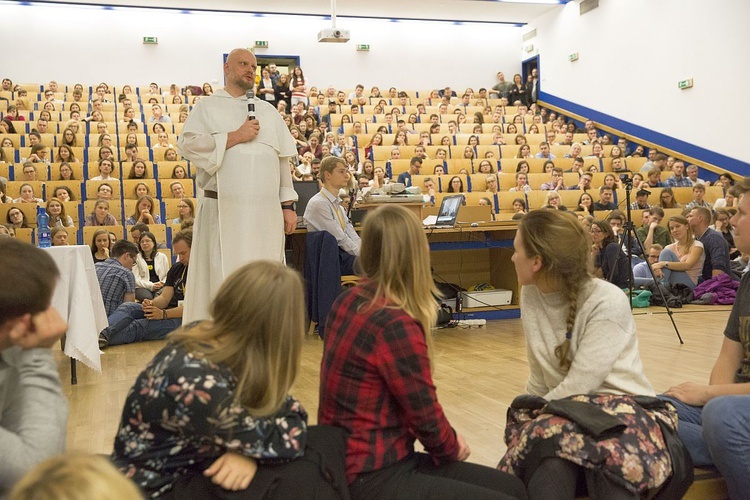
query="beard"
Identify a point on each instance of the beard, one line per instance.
(240, 82)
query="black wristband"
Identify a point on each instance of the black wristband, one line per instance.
(289, 206)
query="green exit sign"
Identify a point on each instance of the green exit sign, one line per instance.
(150, 40)
(685, 84)
(573, 57)
(363, 47)
(261, 44)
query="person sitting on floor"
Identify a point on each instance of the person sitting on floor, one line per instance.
(583, 357)
(713, 417)
(212, 408)
(681, 261)
(153, 319)
(376, 376)
(641, 274)
(715, 246)
(115, 275)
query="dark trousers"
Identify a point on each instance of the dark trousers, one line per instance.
(418, 477)
(297, 479)
(347, 262)
(318, 475)
(558, 479)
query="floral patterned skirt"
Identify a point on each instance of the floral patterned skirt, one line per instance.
(633, 454)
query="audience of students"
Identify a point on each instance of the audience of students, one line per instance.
(381, 461)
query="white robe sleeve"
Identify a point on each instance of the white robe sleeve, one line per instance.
(198, 143)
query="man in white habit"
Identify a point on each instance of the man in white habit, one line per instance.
(247, 200)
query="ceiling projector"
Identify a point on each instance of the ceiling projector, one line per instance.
(334, 35)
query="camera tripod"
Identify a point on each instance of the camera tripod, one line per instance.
(630, 234)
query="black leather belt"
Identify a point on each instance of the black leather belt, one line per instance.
(211, 194)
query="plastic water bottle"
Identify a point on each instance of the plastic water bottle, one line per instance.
(42, 221)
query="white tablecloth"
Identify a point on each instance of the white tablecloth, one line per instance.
(78, 299)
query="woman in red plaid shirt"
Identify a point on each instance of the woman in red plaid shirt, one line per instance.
(376, 377)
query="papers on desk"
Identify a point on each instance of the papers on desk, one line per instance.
(430, 220)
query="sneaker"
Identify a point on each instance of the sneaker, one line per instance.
(103, 342)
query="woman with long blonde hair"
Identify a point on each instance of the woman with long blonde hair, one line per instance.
(214, 403)
(376, 375)
(583, 356)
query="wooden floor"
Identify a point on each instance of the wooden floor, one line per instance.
(478, 373)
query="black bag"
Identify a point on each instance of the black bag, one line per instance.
(682, 464)
(445, 315)
(672, 300)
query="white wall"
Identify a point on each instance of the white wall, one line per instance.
(90, 44)
(633, 53)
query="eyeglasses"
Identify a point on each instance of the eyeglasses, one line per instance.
(595, 231)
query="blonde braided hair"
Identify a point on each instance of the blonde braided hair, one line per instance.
(567, 266)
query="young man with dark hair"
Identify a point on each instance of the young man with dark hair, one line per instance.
(414, 165)
(153, 319)
(677, 179)
(699, 191)
(652, 232)
(656, 160)
(131, 152)
(137, 230)
(33, 410)
(605, 199)
(715, 246)
(115, 275)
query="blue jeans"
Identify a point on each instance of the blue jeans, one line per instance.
(128, 324)
(718, 435)
(672, 277)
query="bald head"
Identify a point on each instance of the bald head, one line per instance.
(239, 70)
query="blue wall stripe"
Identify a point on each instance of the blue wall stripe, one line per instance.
(686, 148)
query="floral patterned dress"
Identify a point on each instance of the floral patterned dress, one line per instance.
(180, 416)
(633, 455)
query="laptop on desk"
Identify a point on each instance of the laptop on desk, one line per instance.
(305, 190)
(448, 213)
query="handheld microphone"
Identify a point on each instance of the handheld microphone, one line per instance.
(250, 94)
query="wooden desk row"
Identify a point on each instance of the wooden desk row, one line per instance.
(463, 256)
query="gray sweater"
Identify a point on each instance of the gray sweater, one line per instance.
(33, 412)
(604, 345)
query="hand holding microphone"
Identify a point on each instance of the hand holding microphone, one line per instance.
(250, 127)
(250, 94)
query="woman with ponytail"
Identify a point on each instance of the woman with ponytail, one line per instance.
(582, 351)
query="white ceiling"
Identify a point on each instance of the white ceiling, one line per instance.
(445, 10)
